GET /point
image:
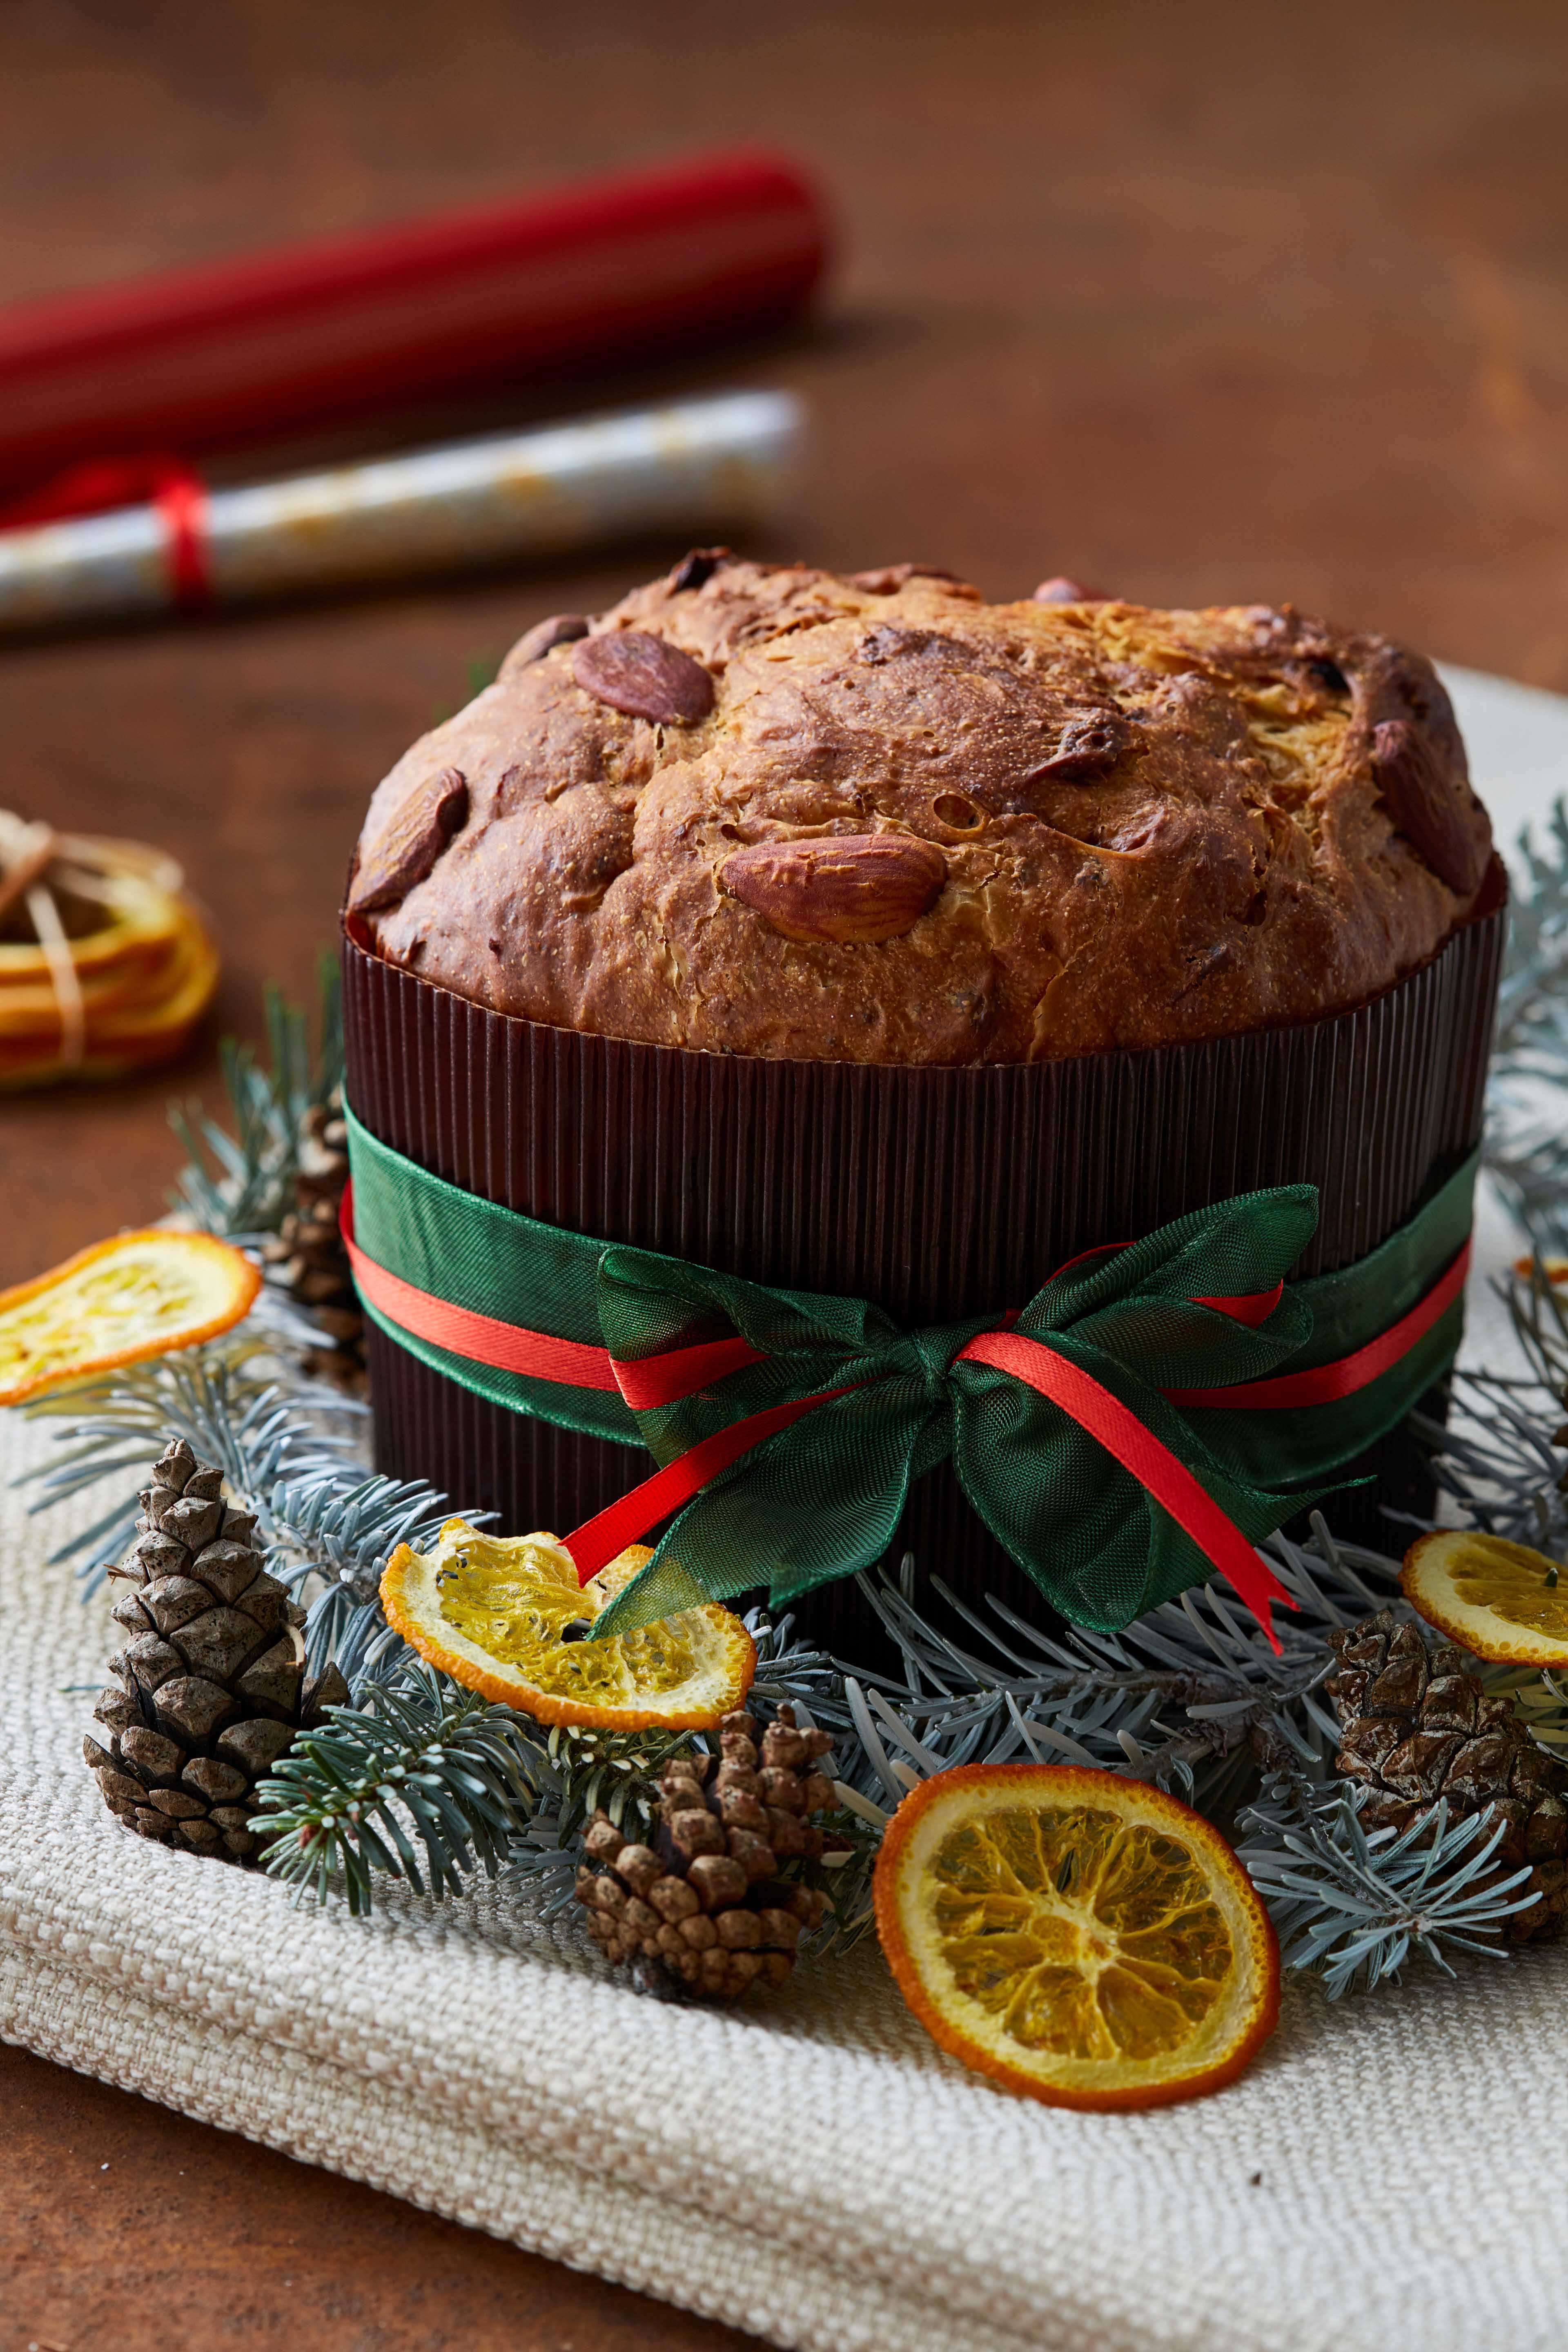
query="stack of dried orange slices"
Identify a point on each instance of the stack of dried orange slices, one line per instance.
(105, 966)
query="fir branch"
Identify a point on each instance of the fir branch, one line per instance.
(214, 1397)
(1532, 998)
(421, 1766)
(1191, 1695)
(479, 1785)
(580, 1768)
(1500, 1457)
(1526, 1146)
(326, 1524)
(1539, 1313)
(575, 1771)
(240, 1183)
(338, 1525)
(572, 1771)
(817, 1689)
(1352, 1905)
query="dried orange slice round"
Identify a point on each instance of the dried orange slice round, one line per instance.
(505, 1616)
(139, 1295)
(1500, 1601)
(1080, 1937)
(1556, 1269)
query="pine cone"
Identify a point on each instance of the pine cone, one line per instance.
(708, 1904)
(211, 1687)
(306, 1258)
(1417, 1727)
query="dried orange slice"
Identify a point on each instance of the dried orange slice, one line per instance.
(1500, 1601)
(139, 1295)
(1556, 1269)
(505, 1615)
(1080, 1937)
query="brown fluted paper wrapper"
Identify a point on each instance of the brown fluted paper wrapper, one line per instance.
(938, 1193)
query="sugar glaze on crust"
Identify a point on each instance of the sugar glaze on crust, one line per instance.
(909, 826)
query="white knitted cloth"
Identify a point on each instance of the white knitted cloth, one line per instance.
(1388, 2173)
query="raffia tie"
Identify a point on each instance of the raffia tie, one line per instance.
(27, 853)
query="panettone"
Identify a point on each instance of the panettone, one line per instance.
(768, 811)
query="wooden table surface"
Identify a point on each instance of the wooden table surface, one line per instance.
(1209, 303)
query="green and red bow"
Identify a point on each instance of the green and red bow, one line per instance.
(1150, 1414)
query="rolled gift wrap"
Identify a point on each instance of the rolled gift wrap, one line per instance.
(696, 467)
(260, 345)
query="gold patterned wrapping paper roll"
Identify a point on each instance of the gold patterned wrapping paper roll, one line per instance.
(696, 466)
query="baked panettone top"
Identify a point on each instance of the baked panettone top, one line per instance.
(760, 809)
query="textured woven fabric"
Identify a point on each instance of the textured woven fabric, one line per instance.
(815, 2171)
(1388, 2173)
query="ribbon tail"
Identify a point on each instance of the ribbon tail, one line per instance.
(1157, 1470)
(768, 1503)
(605, 1536)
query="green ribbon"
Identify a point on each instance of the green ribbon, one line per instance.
(822, 1497)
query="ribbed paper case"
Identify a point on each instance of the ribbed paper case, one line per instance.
(938, 1193)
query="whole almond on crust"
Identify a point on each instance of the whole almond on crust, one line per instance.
(888, 578)
(696, 570)
(1428, 806)
(852, 889)
(1061, 590)
(409, 846)
(643, 676)
(559, 629)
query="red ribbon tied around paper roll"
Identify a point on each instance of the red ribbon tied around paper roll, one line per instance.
(174, 491)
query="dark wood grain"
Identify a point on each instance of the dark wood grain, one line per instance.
(124, 2228)
(1207, 303)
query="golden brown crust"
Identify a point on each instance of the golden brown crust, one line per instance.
(1154, 825)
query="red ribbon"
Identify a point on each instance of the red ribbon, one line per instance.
(1250, 1307)
(1154, 1466)
(661, 1379)
(484, 1340)
(1326, 1383)
(653, 1381)
(182, 507)
(177, 495)
(604, 1537)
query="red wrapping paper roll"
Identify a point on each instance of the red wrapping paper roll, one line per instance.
(264, 345)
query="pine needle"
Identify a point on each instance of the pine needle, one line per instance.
(238, 1179)
(1352, 1905)
(419, 1768)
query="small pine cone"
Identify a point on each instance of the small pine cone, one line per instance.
(705, 1901)
(1418, 1726)
(306, 1256)
(210, 1687)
